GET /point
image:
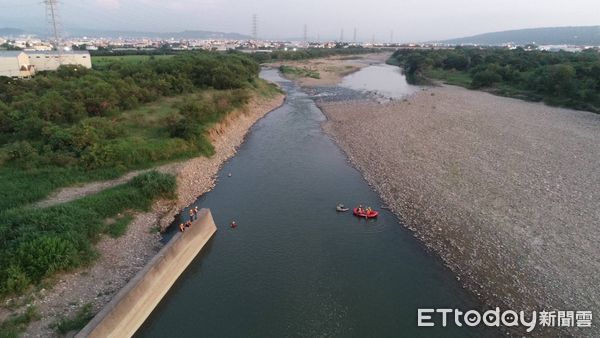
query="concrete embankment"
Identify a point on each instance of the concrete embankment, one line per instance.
(133, 304)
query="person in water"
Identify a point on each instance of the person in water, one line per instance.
(191, 213)
(181, 227)
(233, 224)
(196, 212)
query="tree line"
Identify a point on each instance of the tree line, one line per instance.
(557, 78)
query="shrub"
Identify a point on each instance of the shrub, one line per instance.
(485, 78)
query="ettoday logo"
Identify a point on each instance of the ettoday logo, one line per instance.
(508, 318)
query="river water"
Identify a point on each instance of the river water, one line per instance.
(294, 266)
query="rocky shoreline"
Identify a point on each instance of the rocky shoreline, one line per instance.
(506, 192)
(121, 258)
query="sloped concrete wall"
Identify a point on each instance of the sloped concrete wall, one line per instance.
(128, 310)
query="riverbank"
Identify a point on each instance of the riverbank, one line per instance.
(507, 192)
(121, 258)
(330, 70)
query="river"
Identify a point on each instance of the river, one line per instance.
(294, 266)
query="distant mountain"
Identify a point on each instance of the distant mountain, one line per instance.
(582, 35)
(7, 31)
(77, 32)
(174, 35)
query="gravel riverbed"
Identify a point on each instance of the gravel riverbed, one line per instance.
(507, 192)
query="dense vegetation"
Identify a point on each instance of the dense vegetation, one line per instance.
(35, 243)
(310, 53)
(76, 125)
(557, 78)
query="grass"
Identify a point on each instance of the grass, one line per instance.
(34, 244)
(81, 318)
(144, 141)
(297, 72)
(14, 325)
(118, 226)
(451, 77)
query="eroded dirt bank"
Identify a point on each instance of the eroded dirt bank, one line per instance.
(505, 191)
(121, 258)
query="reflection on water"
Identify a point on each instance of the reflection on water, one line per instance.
(384, 80)
(294, 266)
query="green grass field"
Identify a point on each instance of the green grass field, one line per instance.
(451, 77)
(297, 72)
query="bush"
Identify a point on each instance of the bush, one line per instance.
(485, 78)
(154, 183)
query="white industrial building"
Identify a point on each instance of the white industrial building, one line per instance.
(15, 64)
(51, 60)
(20, 64)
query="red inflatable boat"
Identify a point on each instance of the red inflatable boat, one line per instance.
(363, 213)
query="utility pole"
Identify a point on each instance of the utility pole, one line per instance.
(392, 36)
(354, 36)
(342, 36)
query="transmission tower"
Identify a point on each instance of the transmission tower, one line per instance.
(392, 36)
(305, 33)
(255, 27)
(53, 19)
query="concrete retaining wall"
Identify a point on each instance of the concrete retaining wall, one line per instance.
(128, 310)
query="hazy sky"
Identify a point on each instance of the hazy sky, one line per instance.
(411, 20)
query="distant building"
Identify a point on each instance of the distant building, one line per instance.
(15, 64)
(51, 60)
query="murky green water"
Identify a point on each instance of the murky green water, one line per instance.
(294, 266)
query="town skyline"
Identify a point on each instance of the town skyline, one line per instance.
(409, 21)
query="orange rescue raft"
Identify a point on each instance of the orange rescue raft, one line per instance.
(363, 213)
